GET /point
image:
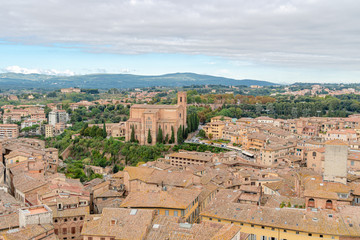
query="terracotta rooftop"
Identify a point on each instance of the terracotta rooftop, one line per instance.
(120, 223)
(293, 219)
(174, 198)
(335, 142)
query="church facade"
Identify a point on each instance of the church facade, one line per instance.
(145, 117)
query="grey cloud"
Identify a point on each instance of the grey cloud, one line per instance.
(296, 33)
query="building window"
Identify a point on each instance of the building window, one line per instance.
(352, 163)
(311, 203)
(64, 231)
(252, 237)
(329, 204)
(176, 213)
(166, 212)
(56, 231)
(90, 238)
(73, 230)
(263, 238)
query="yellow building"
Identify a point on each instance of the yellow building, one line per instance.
(286, 223)
(172, 202)
(221, 118)
(49, 131)
(214, 130)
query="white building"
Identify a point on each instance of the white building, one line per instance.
(58, 116)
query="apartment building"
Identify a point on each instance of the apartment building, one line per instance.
(49, 130)
(58, 116)
(68, 216)
(187, 158)
(275, 153)
(214, 130)
(9, 131)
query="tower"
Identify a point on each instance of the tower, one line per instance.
(335, 164)
(182, 101)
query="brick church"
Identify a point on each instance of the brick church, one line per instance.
(144, 117)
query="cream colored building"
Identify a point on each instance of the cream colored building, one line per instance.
(9, 131)
(49, 131)
(335, 165)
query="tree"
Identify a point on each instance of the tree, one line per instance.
(99, 133)
(104, 134)
(166, 138)
(180, 139)
(116, 168)
(132, 136)
(159, 138)
(172, 138)
(82, 131)
(202, 133)
(186, 133)
(149, 138)
(211, 136)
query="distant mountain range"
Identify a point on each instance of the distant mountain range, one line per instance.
(107, 81)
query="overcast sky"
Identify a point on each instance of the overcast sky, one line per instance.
(282, 41)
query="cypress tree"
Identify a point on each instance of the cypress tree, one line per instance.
(186, 133)
(159, 138)
(190, 123)
(149, 139)
(180, 138)
(104, 134)
(132, 137)
(172, 138)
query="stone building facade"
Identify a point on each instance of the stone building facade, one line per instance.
(145, 117)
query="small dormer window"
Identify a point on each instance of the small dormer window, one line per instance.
(112, 222)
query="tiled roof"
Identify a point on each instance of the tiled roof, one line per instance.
(174, 198)
(120, 223)
(335, 142)
(70, 212)
(168, 228)
(293, 219)
(34, 231)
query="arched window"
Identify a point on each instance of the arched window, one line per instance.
(329, 204)
(311, 203)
